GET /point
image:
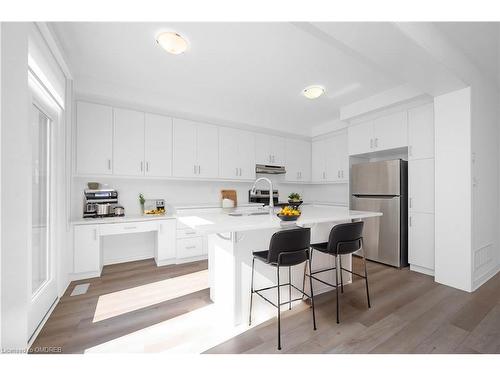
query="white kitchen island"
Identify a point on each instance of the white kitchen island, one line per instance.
(231, 241)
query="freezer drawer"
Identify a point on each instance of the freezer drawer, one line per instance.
(381, 235)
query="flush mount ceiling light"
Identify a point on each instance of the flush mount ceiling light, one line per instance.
(313, 92)
(172, 42)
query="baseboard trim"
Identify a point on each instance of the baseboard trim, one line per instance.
(424, 270)
(128, 259)
(42, 323)
(192, 259)
(476, 284)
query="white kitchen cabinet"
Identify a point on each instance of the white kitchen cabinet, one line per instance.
(337, 159)
(158, 146)
(269, 149)
(207, 146)
(128, 145)
(330, 161)
(383, 133)
(421, 132)
(421, 185)
(86, 256)
(166, 242)
(390, 131)
(421, 242)
(318, 155)
(94, 139)
(195, 149)
(297, 160)
(360, 138)
(236, 153)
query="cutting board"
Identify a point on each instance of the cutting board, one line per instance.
(229, 194)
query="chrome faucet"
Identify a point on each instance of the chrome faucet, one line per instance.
(271, 195)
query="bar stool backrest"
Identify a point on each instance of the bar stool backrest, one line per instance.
(293, 244)
(346, 238)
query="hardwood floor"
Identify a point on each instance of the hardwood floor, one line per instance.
(410, 314)
(75, 324)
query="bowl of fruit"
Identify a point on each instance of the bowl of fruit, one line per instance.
(289, 213)
(294, 200)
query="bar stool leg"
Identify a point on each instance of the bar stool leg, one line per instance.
(305, 269)
(251, 295)
(279, 312)
(366, 280)
(312, 294)
(290, 288)
(341, 278)
(337, 286)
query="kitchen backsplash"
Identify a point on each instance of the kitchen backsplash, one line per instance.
(199, 192)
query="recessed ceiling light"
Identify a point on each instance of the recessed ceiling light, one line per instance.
(172, 42)
(313, 92)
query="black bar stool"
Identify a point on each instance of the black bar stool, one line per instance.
(344, 239)
(286, 249)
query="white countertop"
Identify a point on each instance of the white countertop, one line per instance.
(121, 219)
(208, 222)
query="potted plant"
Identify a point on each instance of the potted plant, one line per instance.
(295, 199)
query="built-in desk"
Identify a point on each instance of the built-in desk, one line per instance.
(88, 233)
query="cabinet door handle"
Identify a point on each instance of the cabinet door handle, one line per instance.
(199, 169)
(128, 228)
(411, 202)
(109, 164)
(190, 232)
(342, 173)
(147, 166)
(190, 247)
(142, 166)
(410, 221)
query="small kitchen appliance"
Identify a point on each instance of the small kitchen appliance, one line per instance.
(154, 207)
(99, 202)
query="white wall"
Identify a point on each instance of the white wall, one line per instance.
(16, 185)
(453, 196)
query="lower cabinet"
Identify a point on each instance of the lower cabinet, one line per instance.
(421, 242)
(165, 246)
(87, 254)
(190, 244)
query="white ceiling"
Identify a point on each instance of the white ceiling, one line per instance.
(248, 73)
(479, 41)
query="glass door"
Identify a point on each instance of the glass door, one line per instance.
(43, 284)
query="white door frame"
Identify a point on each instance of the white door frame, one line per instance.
(40, 303)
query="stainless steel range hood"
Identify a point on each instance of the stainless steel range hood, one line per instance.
(269, 169)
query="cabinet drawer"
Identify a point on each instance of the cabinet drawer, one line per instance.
(133, 227)
(187, 233)
(189, 247)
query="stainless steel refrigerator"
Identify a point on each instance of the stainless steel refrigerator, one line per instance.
(383, 186)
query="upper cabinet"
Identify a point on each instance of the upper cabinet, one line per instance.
(94, 139)
(297, 160)
(157, 145)
(330, 160)
(195, 149)
(236, 153)
(269, 149)
(128, 146)
(383, 133)
(421, 132)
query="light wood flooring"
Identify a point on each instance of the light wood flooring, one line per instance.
(410, 314)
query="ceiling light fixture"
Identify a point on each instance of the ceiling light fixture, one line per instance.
(313, 92)
(172, 42)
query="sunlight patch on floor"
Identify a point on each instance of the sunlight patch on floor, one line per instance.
(193, 333)
(132, 299)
